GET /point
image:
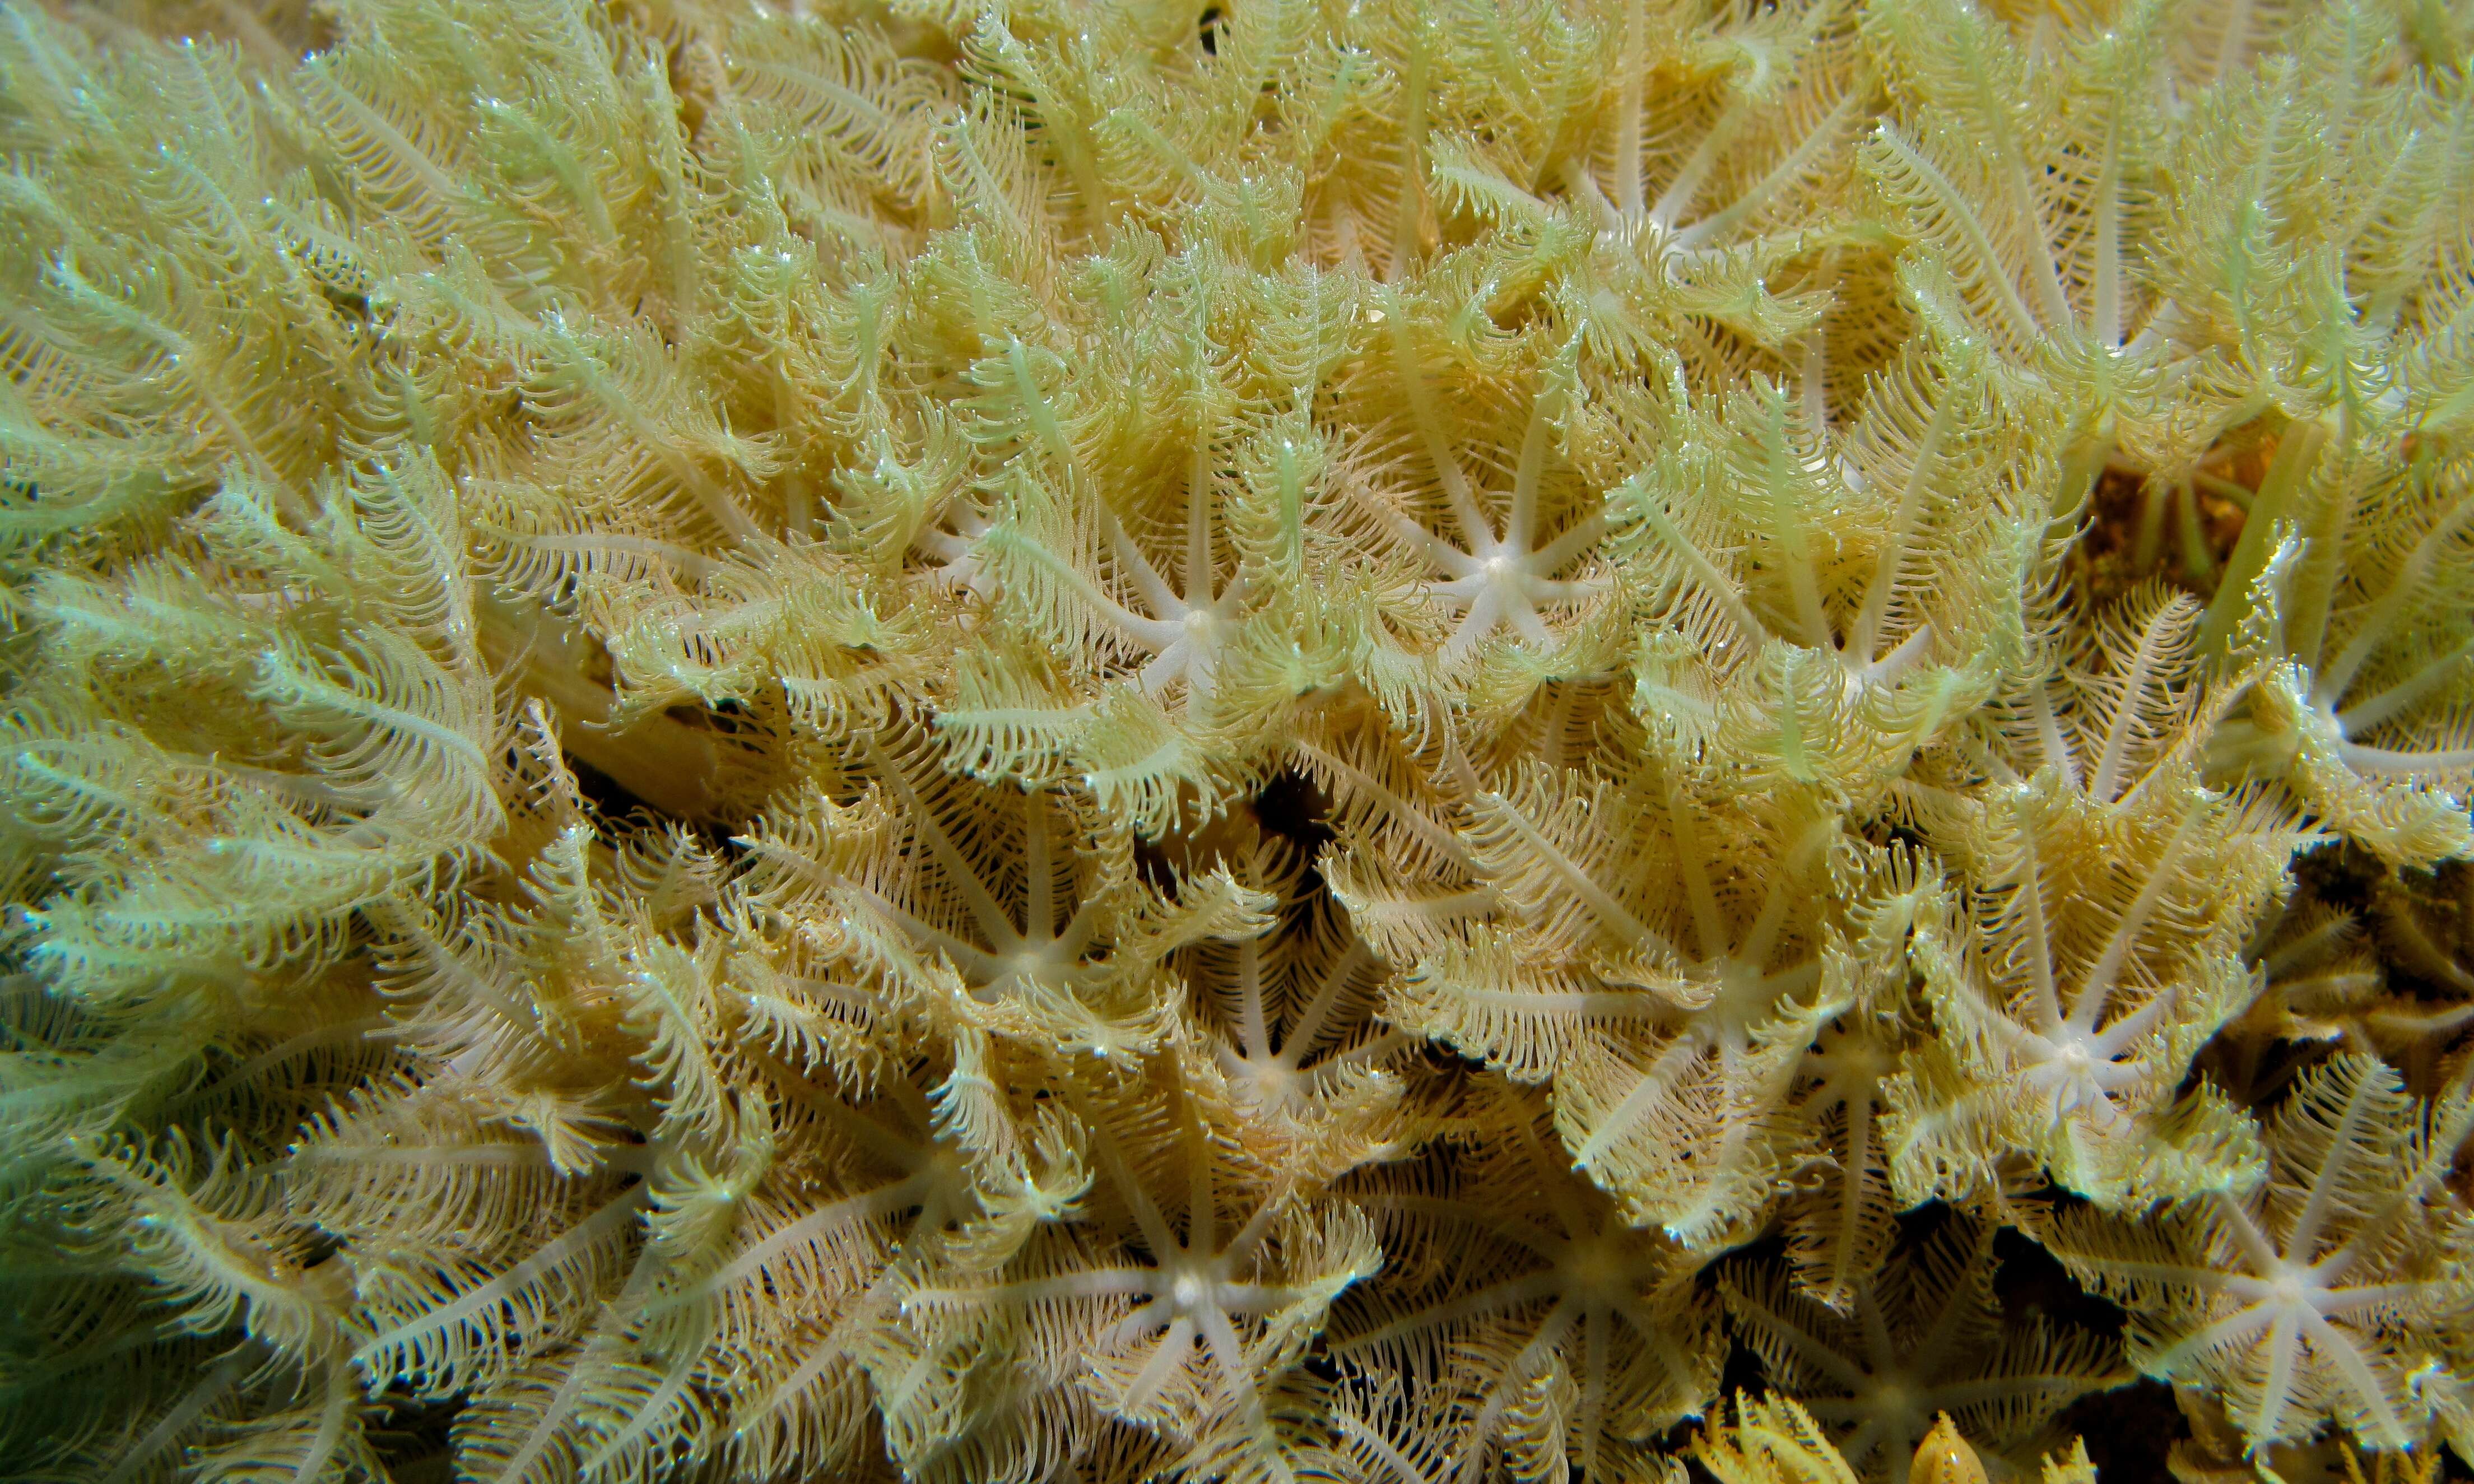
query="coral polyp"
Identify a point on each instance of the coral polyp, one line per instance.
(1266, 742)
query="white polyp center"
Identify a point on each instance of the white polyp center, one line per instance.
(1189, 1292)
(1022, 966)
(1269, 1081)
(1744, 997)
(2074, 1077)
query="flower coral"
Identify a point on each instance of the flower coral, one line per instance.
(1258, 742)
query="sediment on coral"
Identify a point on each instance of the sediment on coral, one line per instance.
(1396, 742)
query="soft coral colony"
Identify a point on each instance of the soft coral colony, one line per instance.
(1257, 741)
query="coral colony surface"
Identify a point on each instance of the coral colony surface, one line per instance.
(1361, 741)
